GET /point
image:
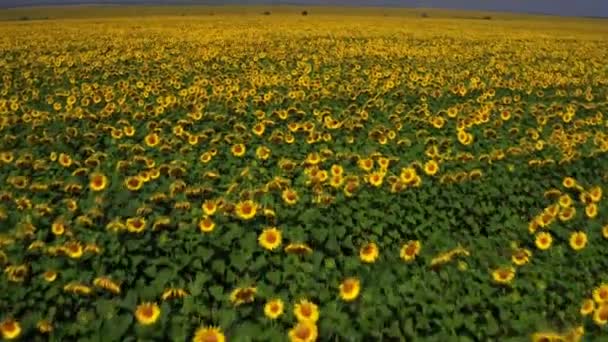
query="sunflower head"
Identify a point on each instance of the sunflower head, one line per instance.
(306, 310)
(410, 250)
(349, 289)
(147, 313)
(209, 334)
(270, 238)
(369, 252)
(273, 308)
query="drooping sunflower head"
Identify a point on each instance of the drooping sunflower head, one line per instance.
(243, 295)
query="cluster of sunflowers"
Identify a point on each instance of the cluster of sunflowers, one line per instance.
(302, 178)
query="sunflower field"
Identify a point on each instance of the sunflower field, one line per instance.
(326, 177)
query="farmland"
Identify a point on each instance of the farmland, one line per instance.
(213, 174)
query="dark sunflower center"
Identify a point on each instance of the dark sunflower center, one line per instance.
(303, 333)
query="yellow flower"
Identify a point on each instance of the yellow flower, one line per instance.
(408, 175)
(410, 250)
(206, 225)
(209, 207)
(431, 167)
(605, 231)
(304, 331)
(366, 164)
(238, 150)
(273, 308)
(545, 337)
(600, 316)
(375, 178)
(600, 294)
(565, 201)
(521, 256)
(543, 240)
(49, 276)
(595, 193)
(578, 240)
(243, 295)
(44, 326)
(262, 152)
(349, 289)
(569, 182)
(246, 210)
(298, 248)
(147, 313)
(290, 196)
(173, 292)
(305, 310)
(152, 139)
(369, 253)
(98, 182)
(270, 238)
(10, 329)
(58, 228)
(587, 307)
(73, 249)
(503, 275)
(208, 334)
(134, 183)
(136, 224)
(591, 210)
(107, 284)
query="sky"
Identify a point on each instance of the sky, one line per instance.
(597, 8)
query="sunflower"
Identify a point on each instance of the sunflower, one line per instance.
(600, 316)
(569, 182)
(375, 178)
(243, 295)
(173, 292)
(565, 201)
(147, 313)
(206, 225)
(209, 207)
(521, 256)
(65, 160)
(410, 250)
(350, 188)
(273, 308)
(134, 183)
(600, 294)
(543, 240)
(306, 310)
(336, 181)
(10, 329)
(73, 249)
(503, 275)
(591, 210)
(545, 337)
(289, 196)
(246, 210)
(587, 307)
(238, 150)
(336, 170)
(605, 231)
(58, 228)
(262, 152)
(270, 238)
(208, 334)
(349, 289)
(408, 175)
(578, 240)
(136, 224)
(431, 167)
(595, 193)
(49, 276)
(98, 182)
(107, 284)
(303, 331)
(298, 248)
(369, 253)
(78, 288)
(258, 129)
(44, 326)
(313, 159)
(366, 164)
(566, 214)
(152, 140)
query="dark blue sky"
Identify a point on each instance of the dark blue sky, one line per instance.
(560, 7)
